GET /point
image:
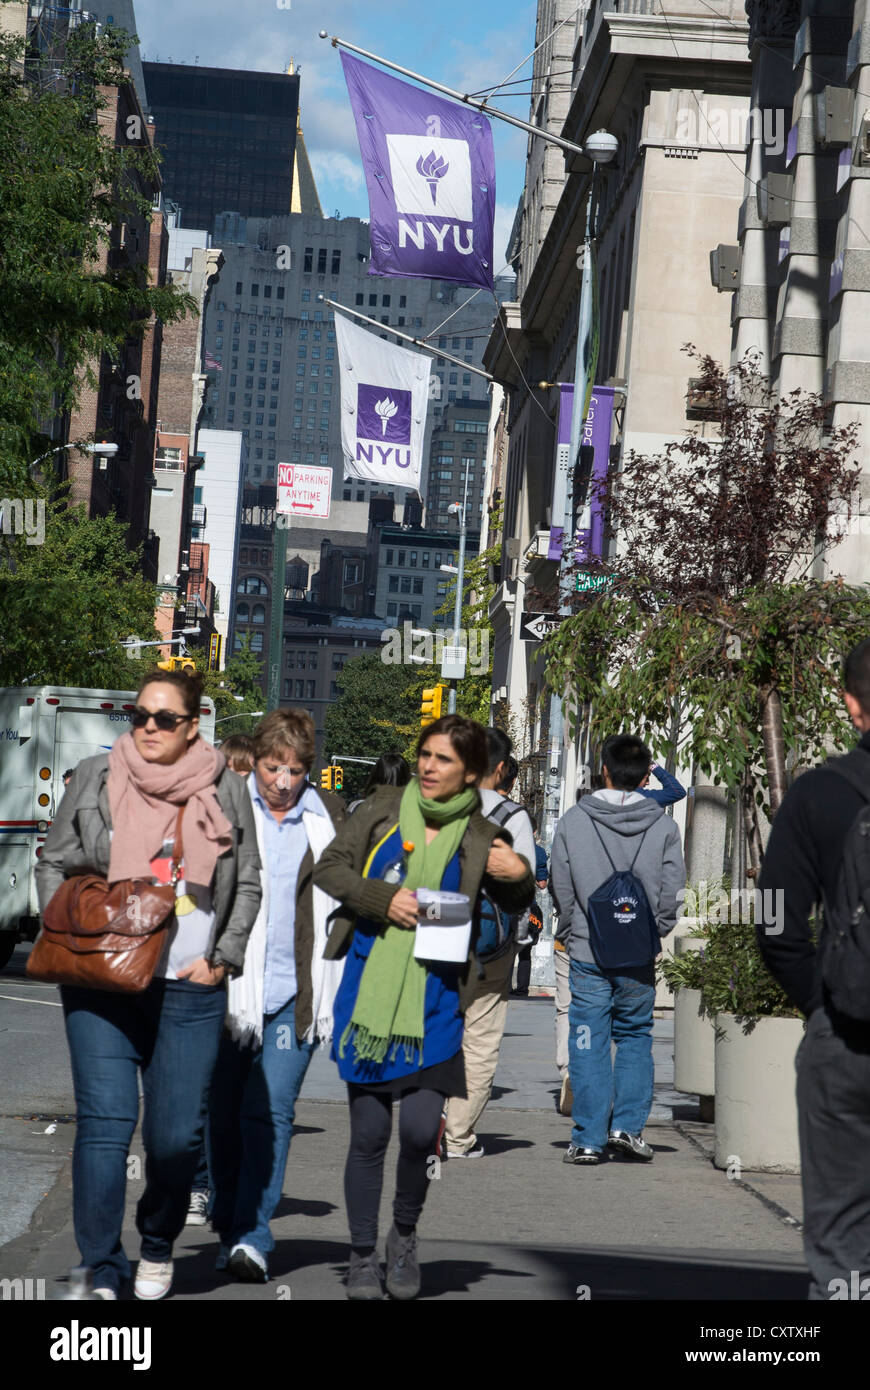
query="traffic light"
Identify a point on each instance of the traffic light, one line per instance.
(326, 779)
(177, 663)
(430, 707)
(338, 774)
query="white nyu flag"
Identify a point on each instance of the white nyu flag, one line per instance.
(384, 399)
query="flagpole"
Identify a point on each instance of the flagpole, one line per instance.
(458, 96)
(418, 342)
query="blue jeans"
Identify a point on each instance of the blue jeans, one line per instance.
(170, 1032)
(617, 1006)
(251, 1111)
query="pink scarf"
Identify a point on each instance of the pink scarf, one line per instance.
(144, 799)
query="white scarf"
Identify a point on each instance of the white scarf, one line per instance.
(245, 992)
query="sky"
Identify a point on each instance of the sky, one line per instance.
(466, 44)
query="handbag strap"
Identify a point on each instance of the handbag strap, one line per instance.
(177, 848)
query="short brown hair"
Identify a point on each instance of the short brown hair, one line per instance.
(283, 729)
(239, 748)
(467, 738)
(189, 684)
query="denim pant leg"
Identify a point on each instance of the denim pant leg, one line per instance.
(105, 1034)
(186, 1025)
(268, 1108)
(589, 1055)
(224, 1133)
(632, 1025)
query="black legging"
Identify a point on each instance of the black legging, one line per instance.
(371, 1123)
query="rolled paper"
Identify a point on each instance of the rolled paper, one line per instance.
(185, 903)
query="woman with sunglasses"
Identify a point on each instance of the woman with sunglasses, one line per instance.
(398, 1020)
(118, 818)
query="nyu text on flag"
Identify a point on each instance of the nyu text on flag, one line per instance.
(384, 398)
(430, 172)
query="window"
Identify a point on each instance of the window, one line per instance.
(466, 378)
(321, 261)
(336, 262)
(242, 613)
(253, 585)
(425, 559)
(392, 610)
(308, 259)
(261, 402)
(385, 301)
(405, 587)
(299, 689)
(403, 301)
(453, 378)
(258, 613)
(394, 584)
(413, 559)
(302, 353)
(239, 287)
(310, 689)
(312, 661)
(279, 294)
(345, 496)
(360, 300)
(373, 301)
(315, 354)
(338, 660)
(330, 354)
(333, 690)
(418, 586)
(400, 559)
(255, 290)
(256, 641)
(289, 660)
(389, 557)
(230, 416)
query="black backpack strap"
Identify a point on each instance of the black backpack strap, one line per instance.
(607, 851)
(855, 768)
(511, 807)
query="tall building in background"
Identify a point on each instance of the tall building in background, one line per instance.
(121, 15)
(228, 139)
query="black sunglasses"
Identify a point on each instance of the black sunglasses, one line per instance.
(164, 719)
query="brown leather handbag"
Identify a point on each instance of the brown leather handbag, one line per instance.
(101, 936)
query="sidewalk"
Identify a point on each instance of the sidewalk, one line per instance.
(515, 1224)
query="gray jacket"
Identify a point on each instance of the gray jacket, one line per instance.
(78, 842)
(579, 863)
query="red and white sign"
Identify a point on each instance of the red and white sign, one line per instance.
(303, 491)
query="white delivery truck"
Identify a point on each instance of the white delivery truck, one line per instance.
(44, 730)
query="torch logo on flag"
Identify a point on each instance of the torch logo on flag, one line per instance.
(432, 168)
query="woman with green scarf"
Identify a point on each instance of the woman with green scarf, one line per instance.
(398, 1020)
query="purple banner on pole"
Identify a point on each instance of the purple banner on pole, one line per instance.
(430, 172)
(589, 541)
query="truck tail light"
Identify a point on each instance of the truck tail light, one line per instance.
(45, 773)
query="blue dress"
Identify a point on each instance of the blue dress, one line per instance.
(442, 1019)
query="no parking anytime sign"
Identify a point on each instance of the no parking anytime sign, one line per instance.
(303, 491)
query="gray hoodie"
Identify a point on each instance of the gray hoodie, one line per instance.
(579, 863)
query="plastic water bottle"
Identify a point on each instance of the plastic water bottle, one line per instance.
(81, 1285)
(397, 868)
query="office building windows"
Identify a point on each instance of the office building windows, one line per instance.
(308, 260)
(336, 262)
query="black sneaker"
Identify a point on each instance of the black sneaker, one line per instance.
(631, 1144)
(574, 1154)
(364, 1281)
(403, 1271)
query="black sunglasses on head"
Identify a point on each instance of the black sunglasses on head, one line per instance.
(164, 719)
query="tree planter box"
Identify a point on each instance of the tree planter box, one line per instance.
(664, 997)
(756, 1110)
(694, 1035)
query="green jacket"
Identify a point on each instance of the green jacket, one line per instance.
(339, 869)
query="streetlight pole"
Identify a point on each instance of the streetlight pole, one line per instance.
(601, 149)
(460, 579)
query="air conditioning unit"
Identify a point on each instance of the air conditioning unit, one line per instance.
(833, 116)
(724, 266)
(773, 198)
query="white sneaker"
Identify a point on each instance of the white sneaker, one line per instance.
(108, 1294)
(153, 1280)
(248, 1264)
(197, 1212)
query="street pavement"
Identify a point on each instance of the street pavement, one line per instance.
(515, 1224)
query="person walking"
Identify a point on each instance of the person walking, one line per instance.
(118, 818)
(486, 1011)
(398, 1020)
(281, 1007)
(534, 923)
(803, 866)
(610, 831)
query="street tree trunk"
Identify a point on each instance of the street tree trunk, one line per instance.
(774, 746)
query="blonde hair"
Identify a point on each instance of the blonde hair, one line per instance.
(285, 729)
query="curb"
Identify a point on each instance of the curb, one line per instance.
(768, 1202)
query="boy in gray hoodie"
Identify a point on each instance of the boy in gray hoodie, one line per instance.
(602, 833)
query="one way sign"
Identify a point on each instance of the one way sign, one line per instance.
(535, 626)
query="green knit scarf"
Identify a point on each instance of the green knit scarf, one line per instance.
(389, 1008)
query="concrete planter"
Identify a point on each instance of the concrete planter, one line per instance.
(664, 997)
(756, 1111)
(694, 1038)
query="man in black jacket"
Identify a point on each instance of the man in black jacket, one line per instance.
(802, 867)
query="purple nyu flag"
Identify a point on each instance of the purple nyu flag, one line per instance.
(430, 171)
(589, 539)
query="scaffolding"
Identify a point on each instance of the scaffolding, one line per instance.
(48, 31)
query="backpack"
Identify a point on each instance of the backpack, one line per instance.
(846, 945)
(494, 931)
(622, 928)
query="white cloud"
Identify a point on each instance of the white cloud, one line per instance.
(337, 170)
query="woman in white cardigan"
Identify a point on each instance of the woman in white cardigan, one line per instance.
(280, 1007)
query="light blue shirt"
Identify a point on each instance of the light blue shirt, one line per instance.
(284, 845)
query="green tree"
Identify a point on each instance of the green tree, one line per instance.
(474, 691)
(240, 678)
(377, 712)
(70, 602)
(64, 186)
(709, 634)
